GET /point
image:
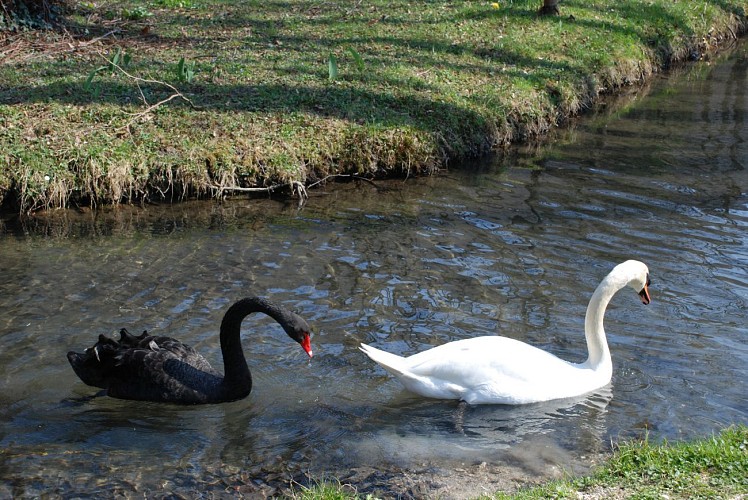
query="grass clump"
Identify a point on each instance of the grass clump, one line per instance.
(708, 468)
(325, 490)
(171, 99)
(715, 467)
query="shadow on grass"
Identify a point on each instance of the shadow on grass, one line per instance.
(345, 103)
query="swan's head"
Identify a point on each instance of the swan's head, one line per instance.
(299, 330)
(637, 275)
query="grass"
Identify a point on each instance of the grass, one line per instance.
(715, 467)
(272, 93)
(326, 490)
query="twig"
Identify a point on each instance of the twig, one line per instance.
(296, 187)
(267, 189)
(350, 176)
(151, 108)
(177, 93)
(138, 80)
(94, 40)
(142, 95)
(87, 42)
(303, 195)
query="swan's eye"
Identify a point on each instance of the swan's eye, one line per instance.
(648, 281)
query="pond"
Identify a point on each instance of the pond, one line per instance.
(506, 246)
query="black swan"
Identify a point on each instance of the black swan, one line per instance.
(162, 369)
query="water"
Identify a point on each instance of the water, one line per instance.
(511, 247)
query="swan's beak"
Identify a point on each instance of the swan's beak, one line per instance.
(644, 295)
(306, 344)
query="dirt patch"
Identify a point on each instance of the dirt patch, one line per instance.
(431, 482)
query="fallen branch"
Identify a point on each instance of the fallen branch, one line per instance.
(150, 108)
(98, 38)
(296, 187)
(349, 176)
(176, 94)
(267, 189)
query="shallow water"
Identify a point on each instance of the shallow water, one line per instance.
(512, 247)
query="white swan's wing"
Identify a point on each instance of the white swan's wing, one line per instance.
(412, 380)
(481, 370)
(496, 369)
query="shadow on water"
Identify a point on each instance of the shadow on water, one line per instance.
(512, 248)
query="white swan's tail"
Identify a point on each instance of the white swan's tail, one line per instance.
(391, 362)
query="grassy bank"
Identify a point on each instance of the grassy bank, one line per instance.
(276, 93)
(715, 467)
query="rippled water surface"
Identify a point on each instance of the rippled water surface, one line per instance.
(500, 248)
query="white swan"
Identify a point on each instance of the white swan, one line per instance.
(500, 370)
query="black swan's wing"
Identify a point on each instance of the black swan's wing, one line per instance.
(147, 368)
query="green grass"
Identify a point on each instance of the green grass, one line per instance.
(326, 490)
(715, 467)
(708, 468)
(418, 84)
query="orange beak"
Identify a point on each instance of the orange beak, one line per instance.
(644, 295)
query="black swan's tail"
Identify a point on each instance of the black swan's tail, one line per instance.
(95, 364)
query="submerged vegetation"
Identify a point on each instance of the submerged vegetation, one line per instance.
(714, 467)
(176, 98)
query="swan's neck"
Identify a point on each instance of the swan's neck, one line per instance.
(235, 369)
(237, 377)
(597, 345)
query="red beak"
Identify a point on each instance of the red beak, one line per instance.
(306, 344)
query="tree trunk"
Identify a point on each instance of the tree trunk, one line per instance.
(549, 8)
